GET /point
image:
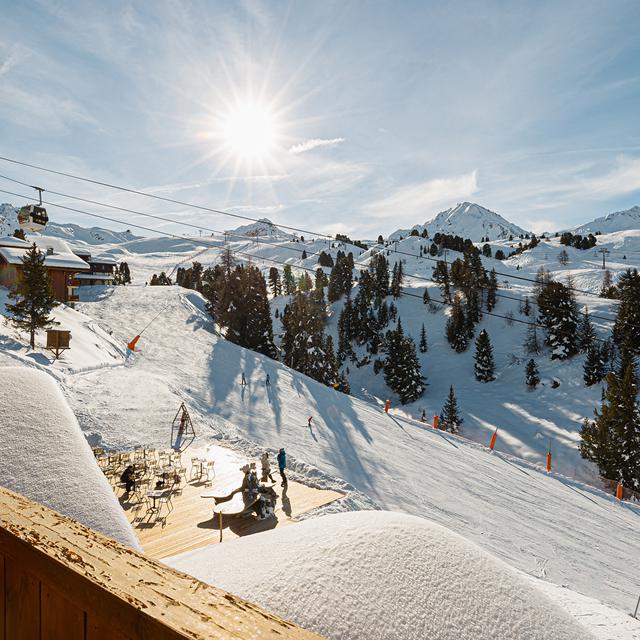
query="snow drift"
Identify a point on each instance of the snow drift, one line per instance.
(45, 457)
(373, 574)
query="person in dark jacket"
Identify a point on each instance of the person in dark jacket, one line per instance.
(129, 478)
(282, 465)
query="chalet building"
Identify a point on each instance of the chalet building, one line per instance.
(61, 263)
(102, 269)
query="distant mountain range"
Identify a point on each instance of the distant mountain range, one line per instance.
(617, 221)
(263, 228)
(467, 220)
(66, 231)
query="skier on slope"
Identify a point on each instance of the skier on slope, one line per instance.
(309, 421)
(268, 380)
(243, 382)
(282, 465)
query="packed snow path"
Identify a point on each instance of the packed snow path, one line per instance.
(549, 527)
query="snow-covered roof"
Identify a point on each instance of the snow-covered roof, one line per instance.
(12, 241)
(13, 255)
(103, 260)
(372, 574)
(44, 456)
(94, 276)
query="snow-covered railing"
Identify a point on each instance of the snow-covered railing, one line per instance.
(60, 579)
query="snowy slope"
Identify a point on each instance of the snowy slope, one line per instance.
(381, 575)
(467, 220)
(548, 526)
(617, 221)
(45, 457)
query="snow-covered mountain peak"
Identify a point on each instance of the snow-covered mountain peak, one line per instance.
(262, 227)
(469, 220)
(616, 221)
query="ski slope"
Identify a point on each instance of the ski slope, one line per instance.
(548, 526)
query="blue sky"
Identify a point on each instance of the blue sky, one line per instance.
(385, 112)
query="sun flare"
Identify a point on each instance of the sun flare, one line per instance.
(249, 131)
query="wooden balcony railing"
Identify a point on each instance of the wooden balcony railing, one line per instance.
(60, 580)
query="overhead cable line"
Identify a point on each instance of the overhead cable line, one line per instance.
(274, 261)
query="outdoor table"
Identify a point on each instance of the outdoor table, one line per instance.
(154, 495)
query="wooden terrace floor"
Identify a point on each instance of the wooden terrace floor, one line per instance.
(191, 524)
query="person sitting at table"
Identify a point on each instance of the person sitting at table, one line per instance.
(129, 478)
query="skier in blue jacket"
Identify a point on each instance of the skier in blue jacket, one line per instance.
(282, 464)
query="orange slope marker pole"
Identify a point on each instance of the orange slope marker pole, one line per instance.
(494, 437)
(132, 345)
(435, 422)
(549, 461)
(619, 491)
(386, 406)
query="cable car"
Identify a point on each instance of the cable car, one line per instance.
(33, 217)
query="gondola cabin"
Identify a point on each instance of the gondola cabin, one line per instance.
(33, 217)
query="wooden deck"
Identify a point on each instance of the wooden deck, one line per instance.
(191, 523)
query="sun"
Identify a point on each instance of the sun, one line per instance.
(249, 131)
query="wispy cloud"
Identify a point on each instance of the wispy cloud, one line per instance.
(314, 143)
(418, 201)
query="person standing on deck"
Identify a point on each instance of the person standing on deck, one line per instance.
(282, 465)
(266, 467)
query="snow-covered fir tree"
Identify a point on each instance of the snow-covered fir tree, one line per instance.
(586, 332)
(274, 281)
(594, 368)
(492, 288)
(450, 419)
(401, 367)
(33, 296)
(532, 377)
(626, 333)
(457, 330)
(484, 367)
(612, 440)
(556, 307)
(397, 279)
(423, 346)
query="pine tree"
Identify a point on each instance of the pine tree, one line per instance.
(450, 419)
(492, 288)
(612, 440)
(401, 367)
(441, 278)
(274, 282)
(457, 331)
(289, 280)
(556, 307)
(593, 371)
(345, 332)
(586, 332)
(532, 344)
(423, 340)
(607, 290)
(397, 278)
(19, 233)
(33, 295)
(380, 267)
(626, 331)
(426, 298)
(532, 376)
(484, 366)
(526, 307)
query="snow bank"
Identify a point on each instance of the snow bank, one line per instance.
(45, 457)
(382, 575)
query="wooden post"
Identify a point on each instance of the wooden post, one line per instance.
(494, 437)
(435, 422)
(220, 524)
(386, 407)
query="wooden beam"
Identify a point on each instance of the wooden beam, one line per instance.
(115, 591)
